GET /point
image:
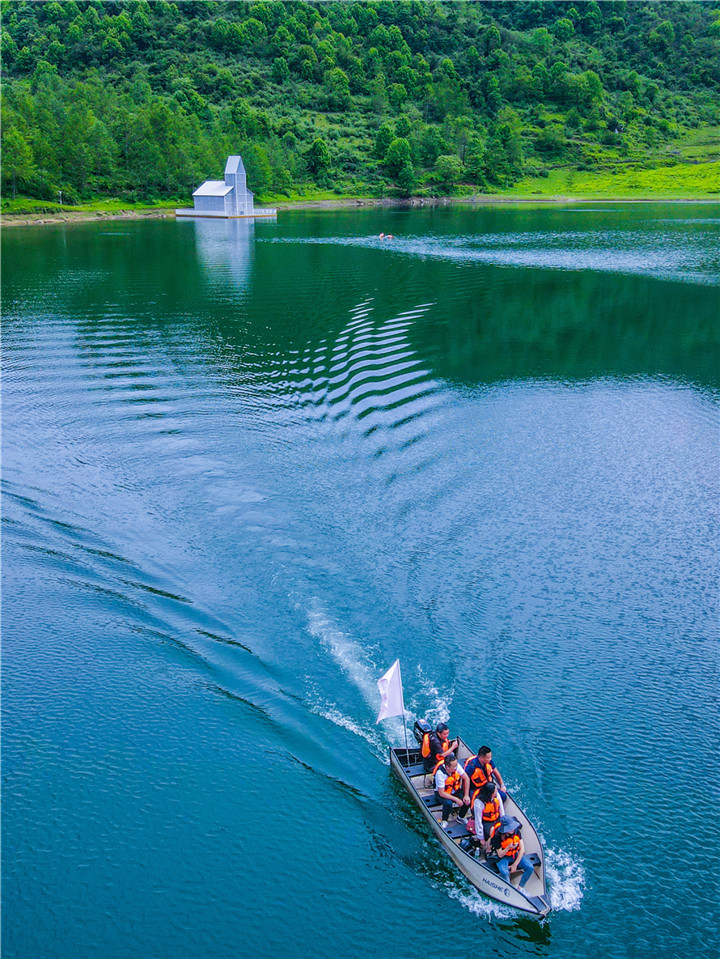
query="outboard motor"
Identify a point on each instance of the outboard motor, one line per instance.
(421, 729)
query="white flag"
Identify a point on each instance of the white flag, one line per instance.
(390, 686)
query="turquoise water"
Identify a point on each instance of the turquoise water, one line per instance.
(248, 466)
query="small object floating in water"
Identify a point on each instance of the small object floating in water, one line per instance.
(456, 839)
(386, 236)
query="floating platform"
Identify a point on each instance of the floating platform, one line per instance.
(211, 215)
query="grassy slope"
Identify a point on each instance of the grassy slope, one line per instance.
(684, 181)
(688, 168)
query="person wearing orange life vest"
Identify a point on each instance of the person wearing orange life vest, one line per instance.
(488, 809)
(509, 850)
(452, 789)
(436, 747)
(481, 769)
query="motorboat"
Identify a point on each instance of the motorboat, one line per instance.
(457, 841)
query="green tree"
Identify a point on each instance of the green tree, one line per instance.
(448, 170)
(336, 83)
(564, 29)
(492, 93)
(383, 139)
(402, 127)
(17, 158)
(318, 159)
(281, 70)
(550, 141)
(258, 168)
(541, 80)
(282, 42)
(542, 40)
(475, 167)
(663, 36)
(397, 95)
(9, 49)
(593, 88)
(398, 155)
(378, 90)
(406, 179)
(491, 39)
(112, 48)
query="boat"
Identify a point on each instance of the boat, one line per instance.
(408, 766)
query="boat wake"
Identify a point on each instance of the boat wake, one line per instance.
(363, 672)
(432, 704)
(334, 715)
(352, 659)
(668, 254)
(565, 880)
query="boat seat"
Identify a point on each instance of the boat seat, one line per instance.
(457, 830)
(417, 769)
(431, 802)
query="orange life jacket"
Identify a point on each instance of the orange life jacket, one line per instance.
(511, 842)
(453, 782)
(491, 810)
(481, 774)
(425, 748)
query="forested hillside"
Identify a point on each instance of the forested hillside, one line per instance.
(145, 100)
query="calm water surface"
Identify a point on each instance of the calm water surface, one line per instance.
(248, 466)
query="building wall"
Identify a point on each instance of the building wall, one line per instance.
(210, 204)
(238, 181)
(242, 204)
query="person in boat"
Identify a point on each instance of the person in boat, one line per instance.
(436, 747)
(452, 789)
(508, 851)
(488, 809)
(481, 769)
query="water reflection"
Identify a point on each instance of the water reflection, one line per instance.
(225, 250)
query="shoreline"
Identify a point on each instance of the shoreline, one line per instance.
(342, 203)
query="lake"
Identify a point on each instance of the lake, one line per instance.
(249, 465)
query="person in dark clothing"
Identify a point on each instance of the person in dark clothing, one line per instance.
(481, 769)
(437, 747)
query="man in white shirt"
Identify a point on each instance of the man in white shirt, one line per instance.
(452, 789)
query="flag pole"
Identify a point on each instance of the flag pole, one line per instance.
(402, 696)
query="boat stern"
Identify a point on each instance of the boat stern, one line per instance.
(542, 904)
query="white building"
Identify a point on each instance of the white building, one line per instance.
(226, 198)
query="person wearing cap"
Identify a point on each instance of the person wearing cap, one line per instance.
(440, 747)
(452, 789)
(481, 769)
(509, 850)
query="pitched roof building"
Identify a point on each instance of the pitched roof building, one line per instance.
(226, 198)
